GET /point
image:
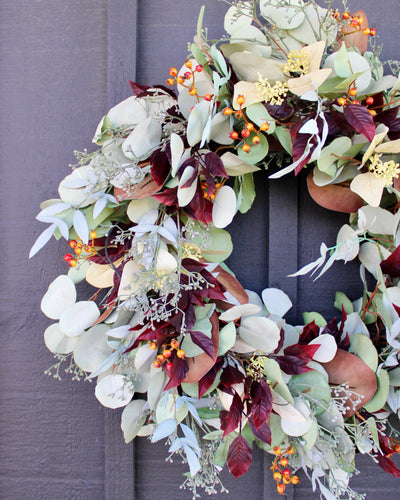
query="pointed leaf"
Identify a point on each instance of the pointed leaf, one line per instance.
(239, 456)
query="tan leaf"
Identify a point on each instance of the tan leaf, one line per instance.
(310, 81)
(145, 188)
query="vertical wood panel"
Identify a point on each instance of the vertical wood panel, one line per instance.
(52, 93)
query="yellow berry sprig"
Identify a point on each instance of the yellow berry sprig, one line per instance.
(167, 353)
(78, 247)
(187, 79)
(248, 127)
(281, 472)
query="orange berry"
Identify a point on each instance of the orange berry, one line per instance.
(372, 31)
(240, 100)
(290, 450)
(205, 195)
(170, 82)
(369, 100)
(212, 197)
(180, 353)
(188, 64)
(264, 126)
(153, 346)
(372, 112)
(228, 111)
(356, 102)
(218, 185)
(397, 448)
(187, 75)
(67, 257)
(92, 235)
(341, 101)
(173, 71)
(78, 250)
(250, 127)
(160, 358)
(353, 92)
(180, 80)
(295, 480)
(167, 353)
(345, 15)
(156, 364)
(256, 140)
(284, 461)
(277, 476)
(208, 97)
(246, 148)
(366, 31)
(286, 472)
(234, 135)
(174, 343)
(193, 91)
(280, 488)
(286, 480)
(73, 262)
(245, 133)
(72, 243)
(277, 450)
(199, 68)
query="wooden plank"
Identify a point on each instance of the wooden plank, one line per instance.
(121, 67)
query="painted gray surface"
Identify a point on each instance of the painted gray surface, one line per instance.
(63, 64)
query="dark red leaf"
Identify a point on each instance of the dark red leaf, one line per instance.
(281, 340)
(292, 365)
(263, 433)
(239, 456)
(137, 88)
(214, 164)
(160, 167)
(233, 416)
(280, 112)
(168, 197)
(391, 265)
(300, 143)
(208, 379)
(359, 118)
(309, 333)
(303, 352)
(204, 342)
(261, 402)
(200, 208)
(178, 372)
(231, 375)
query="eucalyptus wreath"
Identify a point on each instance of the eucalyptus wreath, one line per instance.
(168, 332)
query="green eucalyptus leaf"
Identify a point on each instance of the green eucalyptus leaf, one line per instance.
(246, 192)
(314, 385)
(327, 162)
(362, 346)
(274, 376)
(341, 299)
(309, 438)
(308, 317)
(394, 377)
(283, 135)
(257, 152)
(258, 114)
(379, 399)
(227, 338)
(222, 451)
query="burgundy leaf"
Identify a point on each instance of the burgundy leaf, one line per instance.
(178, 372)
(309, 333)
(239, 456)
(261, 402)
(160, 167)
(387, 465)
(204, 342)
(300, 144)
(233, 416)
(359, 118)
(137, 88)
(214, 165)
(208, 379)
(168, 197)
(337, 125)
(303, 352)
(231, 375)
(200, 208)
(281, 340)
(280, 112)
(263, 433)
(391, 265)
(292, 365)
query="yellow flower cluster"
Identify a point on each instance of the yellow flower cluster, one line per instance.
(256, 367)
(273, 94)
(298, 63)
(387, 170)
(191, 251)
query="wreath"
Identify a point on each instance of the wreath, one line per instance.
(169, 333)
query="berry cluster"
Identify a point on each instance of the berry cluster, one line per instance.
(355, 22)
(187, 79)
(167, 353)
(281, 473)
(351, 99)
(80, 247)
(206, 192)
(248, 126)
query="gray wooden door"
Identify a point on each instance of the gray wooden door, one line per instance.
(64, 63)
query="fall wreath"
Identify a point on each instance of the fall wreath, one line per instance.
(169, 333)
